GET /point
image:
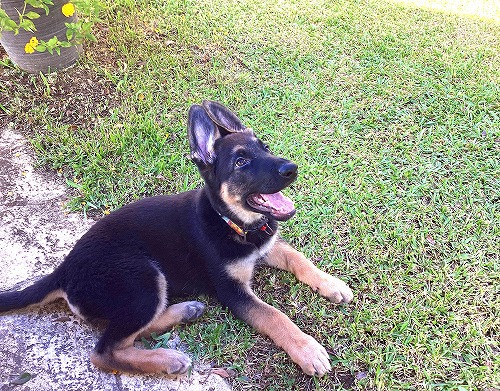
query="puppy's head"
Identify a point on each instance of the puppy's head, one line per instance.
(243, 178)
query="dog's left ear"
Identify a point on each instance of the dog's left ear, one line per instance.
(223, 117)
(202, 133)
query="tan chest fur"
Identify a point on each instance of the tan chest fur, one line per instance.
(242, 269)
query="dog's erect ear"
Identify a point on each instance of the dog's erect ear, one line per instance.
(223, 117)
(202, 133)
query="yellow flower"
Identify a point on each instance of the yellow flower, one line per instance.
(31, 45)
(28, 48)
(68, 9)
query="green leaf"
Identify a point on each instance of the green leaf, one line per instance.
(11, 23)
(69, 34)
(158, 345)
(163, 337)
(65, 44)
(52, 42)
(31, 15)
(22, 378)
(91, 37)
(40, 48)
(5, 28)
(3, 15)
(7, 24)
(146, 343)
(35, 3)
(27, 25)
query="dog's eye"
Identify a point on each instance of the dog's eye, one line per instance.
(241, 161)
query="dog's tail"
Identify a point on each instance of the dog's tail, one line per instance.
(33, 294)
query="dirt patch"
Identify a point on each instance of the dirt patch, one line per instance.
(77, 97)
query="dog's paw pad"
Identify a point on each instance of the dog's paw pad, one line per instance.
(193, 310)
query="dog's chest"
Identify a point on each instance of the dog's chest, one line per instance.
(241, 269)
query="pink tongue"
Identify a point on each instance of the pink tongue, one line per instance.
(278, 202)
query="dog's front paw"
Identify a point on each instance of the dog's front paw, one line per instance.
(310, 356)
(334, 289)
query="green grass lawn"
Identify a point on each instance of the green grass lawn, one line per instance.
(392, 113)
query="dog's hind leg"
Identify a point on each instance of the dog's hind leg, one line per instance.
(175, 314)
(133, 304)
(283, 256)
(115, 350)
(124, 357)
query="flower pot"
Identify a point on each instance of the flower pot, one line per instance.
(47, 26)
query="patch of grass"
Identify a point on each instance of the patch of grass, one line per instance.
(391, 112)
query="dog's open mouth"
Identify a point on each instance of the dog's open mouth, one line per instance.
(277, 205)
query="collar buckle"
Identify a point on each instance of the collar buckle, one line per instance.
(267, 229)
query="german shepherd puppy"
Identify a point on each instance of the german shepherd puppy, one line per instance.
(128, 265)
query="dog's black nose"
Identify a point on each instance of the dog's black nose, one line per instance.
(288, 170)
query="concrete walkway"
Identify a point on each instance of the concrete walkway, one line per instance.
(50, 343)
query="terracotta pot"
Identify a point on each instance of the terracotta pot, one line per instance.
(47, 26)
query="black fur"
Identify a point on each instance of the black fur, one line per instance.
(31, 295)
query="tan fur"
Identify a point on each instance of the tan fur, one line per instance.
(235, 203)
(52, 296)
(302, 348)
(283, 256)
(172, 316)
(56, 295)
(125, 357)
(162, 294)
(241, 271)
(131, 359)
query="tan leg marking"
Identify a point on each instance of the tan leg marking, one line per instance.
(131, 359)
(175, 314)
(127, 358)
(302, 348)
(285, 257)
(52, 296)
